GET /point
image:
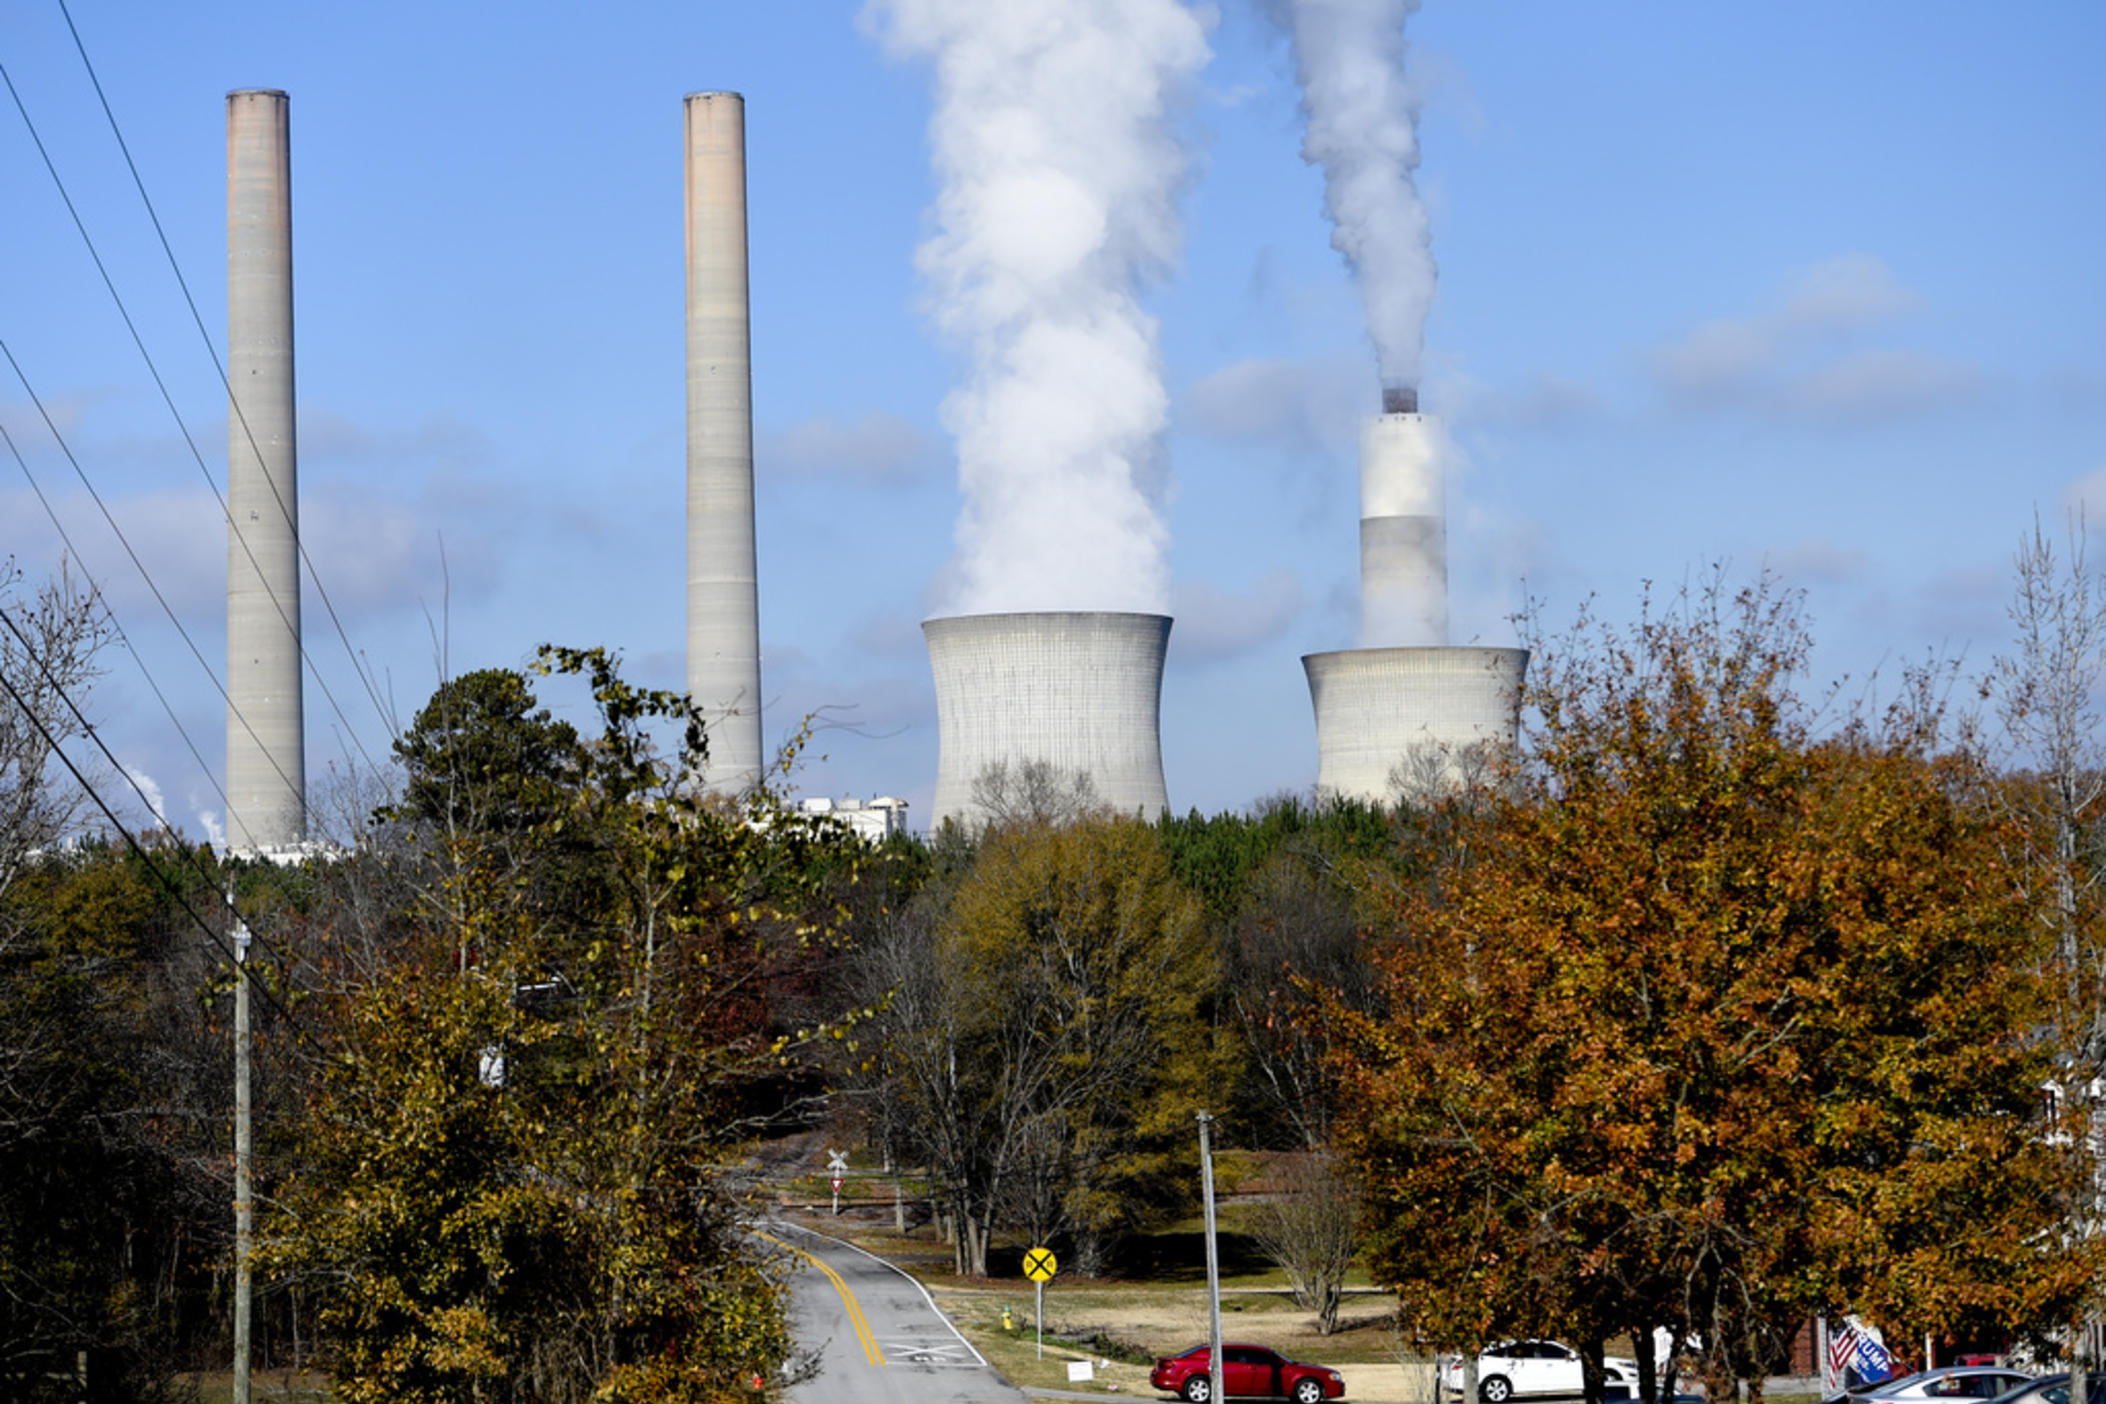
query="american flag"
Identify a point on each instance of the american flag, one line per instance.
(1855, 1346)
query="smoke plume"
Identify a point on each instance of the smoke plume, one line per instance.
(1363, 131)
(1058, 174)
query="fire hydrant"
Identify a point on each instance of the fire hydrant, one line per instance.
(1008, 1321)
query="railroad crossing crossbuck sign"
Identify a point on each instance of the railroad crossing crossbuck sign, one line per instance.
(1039, 1266)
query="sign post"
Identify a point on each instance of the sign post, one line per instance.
(1039, 1266)
(837, 1166)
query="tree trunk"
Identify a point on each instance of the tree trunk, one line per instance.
(1648, 1366)
(1591, 1378)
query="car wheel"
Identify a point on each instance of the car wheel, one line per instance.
(1308, 1391)
(1198, 1389)
(1495, 1389)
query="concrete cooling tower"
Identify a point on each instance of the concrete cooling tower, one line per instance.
(1410, 722)
(1407, 717)
(1080, 692)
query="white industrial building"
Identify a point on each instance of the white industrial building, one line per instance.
(873, 820)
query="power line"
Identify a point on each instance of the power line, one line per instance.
(168, 399)
(139, 565)
(122, 637)
(218, 365)
(131, 841)
(88, 730)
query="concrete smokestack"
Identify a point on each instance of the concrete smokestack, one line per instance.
(1080, 692)
(723, 594)
(1403, 528)
(266, 753)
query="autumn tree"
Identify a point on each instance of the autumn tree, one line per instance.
(2047, 698)
(515, 1189)
(1708, 1022)
(1045, 1030)
(1283, 892)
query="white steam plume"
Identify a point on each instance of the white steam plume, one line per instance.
(1059, 174)
(1363, 131)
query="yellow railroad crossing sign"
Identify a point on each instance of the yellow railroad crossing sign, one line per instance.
(1040, 1265)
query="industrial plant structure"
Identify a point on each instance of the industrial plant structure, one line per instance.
(723, 593)
(266, 747)
(1407, 716)
(1077, 694)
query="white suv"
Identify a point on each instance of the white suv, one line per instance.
(1537, 1369)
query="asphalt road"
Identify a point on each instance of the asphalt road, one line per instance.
(878, 1337)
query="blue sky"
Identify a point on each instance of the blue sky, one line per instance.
(1808, 285)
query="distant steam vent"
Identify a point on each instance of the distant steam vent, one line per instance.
(1079, 692)
(266, 739)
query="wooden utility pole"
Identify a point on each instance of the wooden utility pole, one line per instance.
(1215, 1377)
(244, 1209)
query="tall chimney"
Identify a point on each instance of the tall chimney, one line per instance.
(1403, 528)
(266, 753)
(723, 596)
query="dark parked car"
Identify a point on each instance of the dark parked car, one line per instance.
(2053, 1389)
(1252, 1371)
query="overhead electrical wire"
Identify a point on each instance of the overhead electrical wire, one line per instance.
(218, 939)
(96, 590)
(125, 541)
(197, 319)
(169, 400)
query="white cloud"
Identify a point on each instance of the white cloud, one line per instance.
(1850, 293)
(1215, 624)
(1818, 560)
(889, 636)
(1878, 385)
(1298, 403)
(1541, 402)
(2088, 495)
(1796, 356)
(877, 450)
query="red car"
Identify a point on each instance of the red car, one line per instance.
(1251, 1370)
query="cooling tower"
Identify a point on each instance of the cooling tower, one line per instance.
(1077, 692)
(1410, 722)
(266, 754)
(723, 595)
(1403, 528)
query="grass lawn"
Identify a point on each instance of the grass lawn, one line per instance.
(265, 1387)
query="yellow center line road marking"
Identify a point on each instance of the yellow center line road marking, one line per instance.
(848, 1298)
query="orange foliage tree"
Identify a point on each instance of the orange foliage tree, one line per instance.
(1708, 1022)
